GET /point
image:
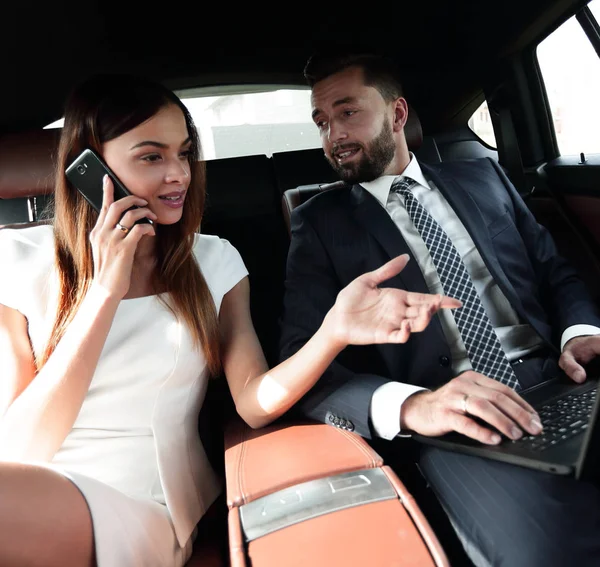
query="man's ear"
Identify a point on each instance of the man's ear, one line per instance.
(400, 107)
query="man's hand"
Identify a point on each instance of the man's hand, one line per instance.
(470, 395)
(578, 351)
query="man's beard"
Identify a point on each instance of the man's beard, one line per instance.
(375, 158)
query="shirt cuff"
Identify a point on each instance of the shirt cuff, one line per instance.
(385, 407)
(577, 331)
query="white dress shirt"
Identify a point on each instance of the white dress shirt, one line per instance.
(517, 339)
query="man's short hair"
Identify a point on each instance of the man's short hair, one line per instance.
(379, 71)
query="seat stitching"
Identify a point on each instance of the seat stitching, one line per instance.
(360, 446)
(240, 464)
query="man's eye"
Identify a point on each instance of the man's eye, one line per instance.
(349, 112)
(320, 124)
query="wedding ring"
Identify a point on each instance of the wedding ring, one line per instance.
(464, 404)
(122, 228)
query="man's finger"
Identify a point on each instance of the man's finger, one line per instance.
(486, 382)
(467, 426)
(504, 415)
(571, 367)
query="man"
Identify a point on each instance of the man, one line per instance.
(525, 313)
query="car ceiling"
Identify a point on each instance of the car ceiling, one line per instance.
(444, 48)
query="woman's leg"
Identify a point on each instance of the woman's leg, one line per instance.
(44, 519)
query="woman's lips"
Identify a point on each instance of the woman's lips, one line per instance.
(173, 200)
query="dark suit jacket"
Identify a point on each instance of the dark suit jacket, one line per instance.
(340, 234)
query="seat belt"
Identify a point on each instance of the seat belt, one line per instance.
(509, 153)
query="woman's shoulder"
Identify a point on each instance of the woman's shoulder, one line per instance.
(210, 248)
(219, 260)
(23, 245)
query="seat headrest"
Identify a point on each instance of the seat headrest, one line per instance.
(27, 162)
(413, 131)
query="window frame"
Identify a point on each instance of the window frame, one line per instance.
(591, 29)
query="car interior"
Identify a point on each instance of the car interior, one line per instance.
(297, 492)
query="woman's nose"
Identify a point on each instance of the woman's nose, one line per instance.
(178, 170)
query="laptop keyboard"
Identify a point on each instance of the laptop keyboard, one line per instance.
(561, 419)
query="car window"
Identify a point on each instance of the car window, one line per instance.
(481, 123)
(595, 9)
(571, 71)
(234, 125)
(249, 123)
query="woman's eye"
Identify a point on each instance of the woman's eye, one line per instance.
(185, 154)
(151, 157)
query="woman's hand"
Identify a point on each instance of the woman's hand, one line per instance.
(113, 249)
(366, 314)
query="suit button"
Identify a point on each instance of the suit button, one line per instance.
(444, 361)
(342, 423)
(336, 422)
(331, 418)
(350, 426)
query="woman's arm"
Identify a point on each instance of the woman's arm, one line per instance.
(18, 367)
(39, 410)
(261, 395)
(363, 314)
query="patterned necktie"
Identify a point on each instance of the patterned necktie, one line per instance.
(482, 344)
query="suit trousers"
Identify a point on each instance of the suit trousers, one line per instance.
(510, 516)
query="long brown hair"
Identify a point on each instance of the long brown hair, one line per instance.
(97, 111)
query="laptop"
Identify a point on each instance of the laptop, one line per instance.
(569, 443)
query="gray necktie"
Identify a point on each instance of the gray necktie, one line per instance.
(482, 344)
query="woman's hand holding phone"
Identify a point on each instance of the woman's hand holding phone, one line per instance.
(115, 238)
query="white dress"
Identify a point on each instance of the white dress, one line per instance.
(134, 450)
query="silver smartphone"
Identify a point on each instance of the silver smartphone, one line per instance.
(86, 174)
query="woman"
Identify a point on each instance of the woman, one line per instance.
(111, 330)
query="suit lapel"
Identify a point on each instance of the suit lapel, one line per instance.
(470, 215)
(378, 222)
